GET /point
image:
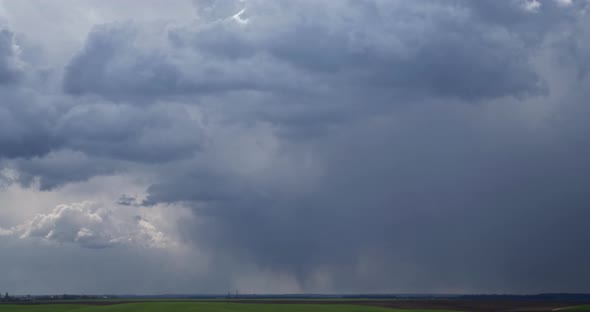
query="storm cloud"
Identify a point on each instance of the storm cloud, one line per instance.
(10, 64)
(309, 146)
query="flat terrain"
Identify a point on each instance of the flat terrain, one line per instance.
(444, 304)
(438, 305)
(194, 306)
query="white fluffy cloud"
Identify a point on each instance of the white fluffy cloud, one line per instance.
(532, 5)
(564, 2)
(92, 226)
(535, 5)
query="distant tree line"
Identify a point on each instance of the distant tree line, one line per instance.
(8, 298)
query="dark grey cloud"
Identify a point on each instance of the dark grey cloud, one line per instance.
(61, 167)
(529, 27)
(128, 133)
(60, 139)
(127, 200)
(115, 65)
(10, 63)
(459, 208)
(435, 50)
(441, 194)
(22, 132)
(104, 65)
(355, 146)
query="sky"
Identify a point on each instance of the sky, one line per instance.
(307, 146)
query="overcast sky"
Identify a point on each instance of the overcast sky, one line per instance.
(348, 146)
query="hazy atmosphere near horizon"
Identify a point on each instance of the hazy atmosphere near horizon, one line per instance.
(305, 146)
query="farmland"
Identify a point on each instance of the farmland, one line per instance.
(194, 307)
(292, 306)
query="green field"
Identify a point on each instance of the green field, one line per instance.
(580, 308)
(197, 307)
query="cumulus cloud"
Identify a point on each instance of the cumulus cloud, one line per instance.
(383, 44)
(532, 5)
(22, 134)
(91, 226)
